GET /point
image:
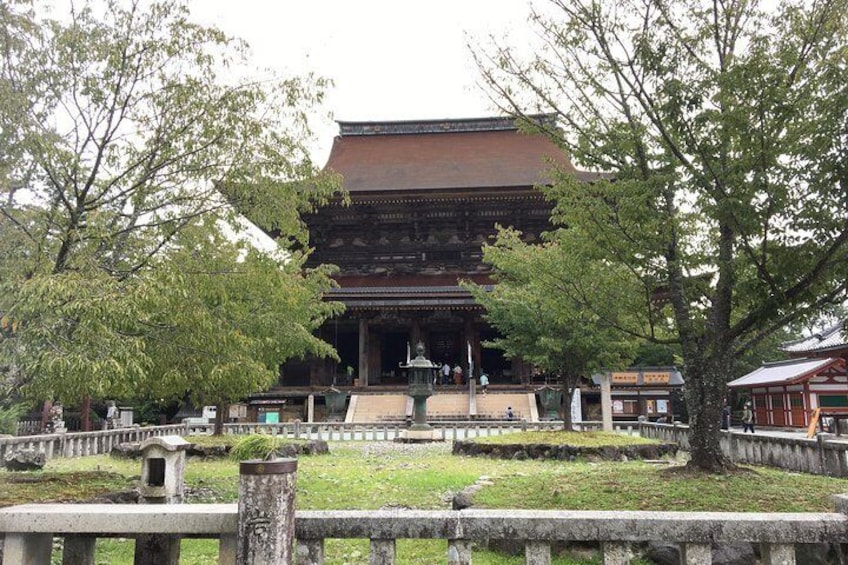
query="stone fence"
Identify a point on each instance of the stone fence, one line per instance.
(253, 532)
(95, 443)
(819, 456)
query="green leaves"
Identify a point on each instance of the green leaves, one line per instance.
(721, 128)
(128, 146)
(539, 306)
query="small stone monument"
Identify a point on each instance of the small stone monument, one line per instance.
(162, 470)
(421, 375)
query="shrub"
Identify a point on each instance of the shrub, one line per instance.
(255, 446)
(9, 416)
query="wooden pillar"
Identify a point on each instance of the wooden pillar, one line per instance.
(363, 352)
(468, 337)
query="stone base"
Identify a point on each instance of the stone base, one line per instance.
(420, 436)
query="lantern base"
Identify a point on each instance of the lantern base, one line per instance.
(420, 436)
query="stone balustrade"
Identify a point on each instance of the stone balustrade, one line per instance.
(29, 530)
(100, 442)
(822, 455)
(79, 444)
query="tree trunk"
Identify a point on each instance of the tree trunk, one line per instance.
(567, 399)
(569, 383)
(705, 391)
(219, 420)
(84, 416)
(45, 414)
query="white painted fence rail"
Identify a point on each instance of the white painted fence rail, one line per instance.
(29, 530)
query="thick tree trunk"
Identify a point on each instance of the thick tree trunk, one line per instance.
(705, 391)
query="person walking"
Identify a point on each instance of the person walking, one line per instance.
(484, 381)
(446, 371)
(747, 418)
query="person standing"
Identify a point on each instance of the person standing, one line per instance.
(484, 381)
(747, 418)
(446, 371)
(457, 375)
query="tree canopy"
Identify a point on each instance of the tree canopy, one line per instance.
(721, 128)
(129, 142)
(542, 325)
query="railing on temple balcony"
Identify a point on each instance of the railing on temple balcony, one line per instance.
(30, 529)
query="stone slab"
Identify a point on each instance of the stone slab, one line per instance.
(414, 436)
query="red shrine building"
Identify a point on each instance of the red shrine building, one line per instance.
(424, 198)
(785, 393)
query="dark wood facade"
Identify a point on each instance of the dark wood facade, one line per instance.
(424, 198)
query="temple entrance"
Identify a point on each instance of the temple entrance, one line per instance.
(444, 346)
(498, 367)
(392, 354)
(348, 349)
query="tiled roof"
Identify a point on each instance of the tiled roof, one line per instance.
(393, 156)
(831, 338)
(784, 372)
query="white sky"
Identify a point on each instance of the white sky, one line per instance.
(389, 59)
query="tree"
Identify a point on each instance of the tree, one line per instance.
(541, 324)
(722, 129)
(127, 144)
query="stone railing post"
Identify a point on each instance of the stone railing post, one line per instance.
(459, 552)
(266, 511)
(606, 401)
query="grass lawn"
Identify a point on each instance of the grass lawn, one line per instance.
(359, 475)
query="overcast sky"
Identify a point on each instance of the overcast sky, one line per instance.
(389, 59)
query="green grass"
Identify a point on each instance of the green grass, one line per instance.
(577, 439)
(359, 475)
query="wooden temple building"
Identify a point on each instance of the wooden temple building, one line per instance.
(424, 197)
(785, 393)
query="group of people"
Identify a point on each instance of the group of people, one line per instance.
(450, 376)
(447, 376)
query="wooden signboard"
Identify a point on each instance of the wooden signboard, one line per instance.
(625, 378)
(656, 378)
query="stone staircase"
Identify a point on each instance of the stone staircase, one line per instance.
(493, 406)
(448, 406)
(377, 408)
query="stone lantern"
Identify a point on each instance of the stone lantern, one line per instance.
(421, 373)
(335, 402)
(551, 399)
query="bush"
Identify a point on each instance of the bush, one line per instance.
(255, 446)
(9, 416)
